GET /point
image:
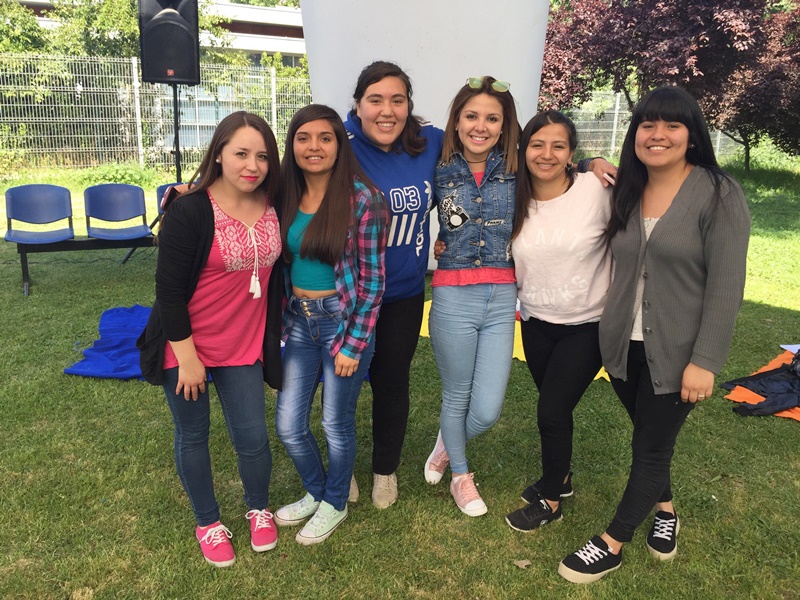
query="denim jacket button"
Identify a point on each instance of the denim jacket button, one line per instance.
(451, 184)
(483, 243)
(478, 262)
(479, 220)
(502, 180)
(478, 199)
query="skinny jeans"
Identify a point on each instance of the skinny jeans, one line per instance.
(396, 337)
(657, 420)
(307, 357)
(563, 361)
(472, 333)
(241, 396)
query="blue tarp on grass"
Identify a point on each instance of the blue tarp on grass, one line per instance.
(114, 355)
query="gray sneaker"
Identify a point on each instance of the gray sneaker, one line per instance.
(321, 525)
(352, 496)
(297, 512)
(384, 490)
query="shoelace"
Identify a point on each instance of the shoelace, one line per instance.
(591, 553)
(469, 491)
(664, 528)
(384, 483)
(216, 535)
(262, 517)
(440, 460)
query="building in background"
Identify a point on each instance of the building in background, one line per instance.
(253, 29)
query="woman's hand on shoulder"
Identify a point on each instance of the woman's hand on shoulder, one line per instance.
(697, 384)
(345, 366)
(603, 169)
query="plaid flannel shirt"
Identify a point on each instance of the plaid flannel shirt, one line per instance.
(359, 276)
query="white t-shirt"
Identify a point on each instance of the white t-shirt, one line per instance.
(562, 263)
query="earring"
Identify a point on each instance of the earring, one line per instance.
(218, 161)
(691, 146)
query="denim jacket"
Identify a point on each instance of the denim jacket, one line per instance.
(475, 222)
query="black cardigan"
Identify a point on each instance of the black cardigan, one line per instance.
(188, 232)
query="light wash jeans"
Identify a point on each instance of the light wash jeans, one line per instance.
(472, 332)
(241, 395)
(306, 358)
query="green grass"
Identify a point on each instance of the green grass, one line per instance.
(91, 506)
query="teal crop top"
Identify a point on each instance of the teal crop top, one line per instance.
(307, 273)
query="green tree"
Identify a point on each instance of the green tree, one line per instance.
(19, 30)
(111, 28)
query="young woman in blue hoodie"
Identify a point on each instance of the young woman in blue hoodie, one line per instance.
(398, 152)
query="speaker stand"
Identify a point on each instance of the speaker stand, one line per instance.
(177, 120)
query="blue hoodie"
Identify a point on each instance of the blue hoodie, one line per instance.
(407, 184)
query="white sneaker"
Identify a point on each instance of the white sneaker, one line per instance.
(296, 512)
(437, 462)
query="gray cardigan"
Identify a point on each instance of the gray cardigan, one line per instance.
(694, 270)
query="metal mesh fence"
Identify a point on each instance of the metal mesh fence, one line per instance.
(85, 111)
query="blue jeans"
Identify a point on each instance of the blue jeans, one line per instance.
(472, 333)
(241, 395)
(306, 358)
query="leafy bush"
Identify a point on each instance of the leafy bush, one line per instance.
(120, 173)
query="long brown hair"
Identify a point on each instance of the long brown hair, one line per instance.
(210, 170)
(509, 136)
(325, 237)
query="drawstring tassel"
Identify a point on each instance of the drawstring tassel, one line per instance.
(255, 286)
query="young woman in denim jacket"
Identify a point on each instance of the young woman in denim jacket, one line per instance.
(334, 238)
(474, 292)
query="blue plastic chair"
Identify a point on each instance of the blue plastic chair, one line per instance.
(159, 197)
(37, 204)
(115, 202)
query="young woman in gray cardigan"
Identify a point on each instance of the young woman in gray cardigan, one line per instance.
(679, 232)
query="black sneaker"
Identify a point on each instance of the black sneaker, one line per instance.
(662, 541)
(590, 563)
(533, 515)
(534, 490)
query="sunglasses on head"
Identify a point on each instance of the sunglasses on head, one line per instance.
(477, 82)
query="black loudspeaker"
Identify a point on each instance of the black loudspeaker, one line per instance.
(169, 41)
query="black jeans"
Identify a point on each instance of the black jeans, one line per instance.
(563, 360)
(657, 420)
(396, 337)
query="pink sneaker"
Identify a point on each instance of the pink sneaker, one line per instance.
(437, 462)
(215, 543)
(466, 495)
(263, 534)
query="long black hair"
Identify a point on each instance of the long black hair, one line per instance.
(410, 140)
(524, 192)
(667, 103)
(325, 237)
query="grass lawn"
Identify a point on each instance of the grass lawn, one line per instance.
(92, 506)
